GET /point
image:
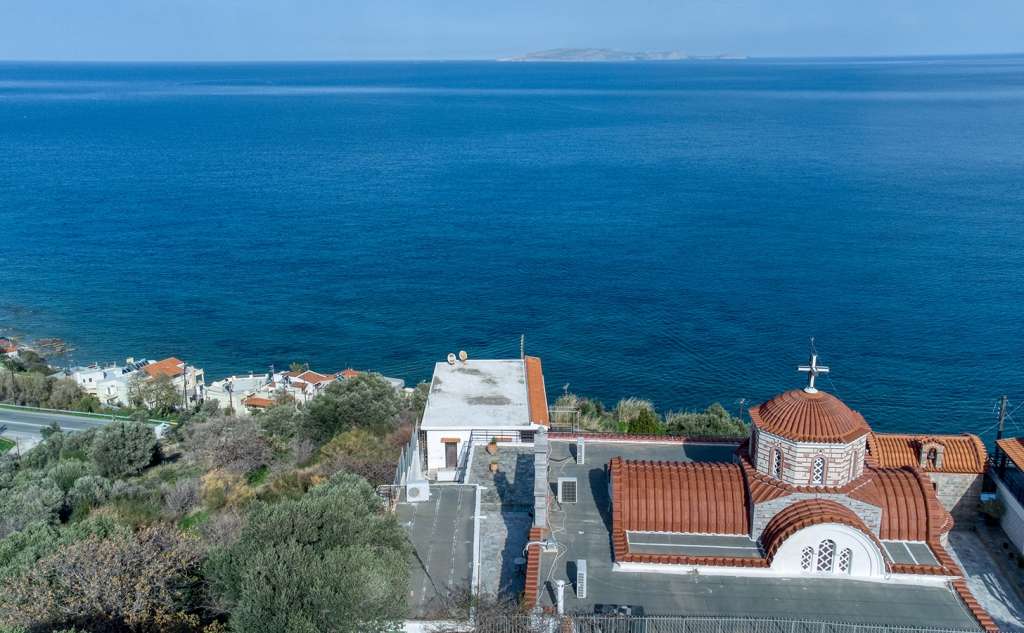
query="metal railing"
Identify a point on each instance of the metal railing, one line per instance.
(686, 624)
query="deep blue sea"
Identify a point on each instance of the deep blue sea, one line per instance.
(675, 231)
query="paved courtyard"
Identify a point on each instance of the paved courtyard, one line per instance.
(990, 581)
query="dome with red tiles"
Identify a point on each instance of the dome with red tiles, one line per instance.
(809, 416)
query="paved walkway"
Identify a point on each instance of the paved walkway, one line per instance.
(989, 580)
(506, 504)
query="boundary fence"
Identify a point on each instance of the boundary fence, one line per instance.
(686, 624)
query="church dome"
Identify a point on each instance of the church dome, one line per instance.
(809, 416)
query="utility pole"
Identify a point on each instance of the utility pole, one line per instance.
(1002, 418)
(522, 346)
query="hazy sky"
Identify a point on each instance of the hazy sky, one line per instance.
(460, 29)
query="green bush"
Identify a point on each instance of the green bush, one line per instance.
(330, 560)
(646, 422)
(714, 421)
(123, 448)
(366, 401)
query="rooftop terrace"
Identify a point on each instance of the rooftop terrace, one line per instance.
(477, 393)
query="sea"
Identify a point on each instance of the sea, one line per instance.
(675, 231)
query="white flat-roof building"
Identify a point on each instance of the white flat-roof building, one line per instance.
(474, 401)
(230, 392)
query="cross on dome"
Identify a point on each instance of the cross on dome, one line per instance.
(813, 369)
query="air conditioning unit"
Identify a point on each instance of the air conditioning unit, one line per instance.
(567, 490)
(581, 579)
(417, 491)
(581, 451)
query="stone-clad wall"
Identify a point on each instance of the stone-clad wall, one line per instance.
(844, 461)
(959, 494)
(764, 512)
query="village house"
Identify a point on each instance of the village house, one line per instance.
(111, 384)
(188, 380)
(8, 347)
(230, 393)
(472, 402)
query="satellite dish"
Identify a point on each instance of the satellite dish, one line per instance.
(463, 356)
(451, 359)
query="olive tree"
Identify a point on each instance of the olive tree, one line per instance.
(330, 560)
(366, 401)
(123, 448)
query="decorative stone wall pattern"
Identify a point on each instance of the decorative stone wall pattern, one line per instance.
(764, 512)
(960, 494)
(844, 462)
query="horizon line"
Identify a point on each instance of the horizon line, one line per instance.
(697, 58)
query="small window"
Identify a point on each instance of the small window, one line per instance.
(826, 556)
(806, 558)
(933, 458)
(845, 561)
(526, 437)
(818, 471)
(776, 463)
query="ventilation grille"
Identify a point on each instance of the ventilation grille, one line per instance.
(566, 490)
(581, 579)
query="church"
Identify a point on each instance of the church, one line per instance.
(812, 495)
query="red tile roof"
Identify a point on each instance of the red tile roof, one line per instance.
(693, 497)
(535, 391)
(802, 514)
(258, 402)
(170, 367)
(310, 376)
(348, 372)
(1014, 449)
(961, 453)
(809, 417)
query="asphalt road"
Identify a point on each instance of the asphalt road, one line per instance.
(25, 426)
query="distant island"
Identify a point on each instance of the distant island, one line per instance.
(609, 55)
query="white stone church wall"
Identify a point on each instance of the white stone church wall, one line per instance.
(866, 560)
(844, 462)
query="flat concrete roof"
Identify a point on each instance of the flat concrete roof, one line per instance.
(583, 532)
(441, 568)
(477, 394)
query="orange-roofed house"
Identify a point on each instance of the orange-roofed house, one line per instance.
(8, 347)
(189, 380)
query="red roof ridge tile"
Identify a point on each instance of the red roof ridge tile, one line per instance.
(536, 393)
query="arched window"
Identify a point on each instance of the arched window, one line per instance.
(933, 458)
(845, 561)
(826, 556)
(818, 471)
(806, 558)
(776, 463)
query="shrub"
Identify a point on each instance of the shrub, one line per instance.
(282, 420)
(123, 448)
(365, 401)
(231, 444)
(180, 496)
(129, 582)
(220, 488)
(713, 421)
(29, 501)
(331, 560)
(88, 492)
(358, 451)
(65, 473)
(646, 422)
